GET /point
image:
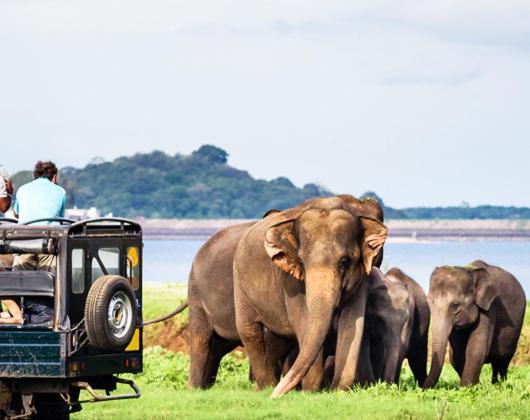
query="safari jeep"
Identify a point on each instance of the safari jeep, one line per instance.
(95, 334)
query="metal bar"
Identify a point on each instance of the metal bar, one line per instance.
(99, 398)
(61, 220)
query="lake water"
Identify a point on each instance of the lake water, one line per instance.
(170, 261)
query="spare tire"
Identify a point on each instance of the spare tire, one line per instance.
(110, 314)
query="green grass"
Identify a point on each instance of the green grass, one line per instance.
(161, 298)
(165, 395)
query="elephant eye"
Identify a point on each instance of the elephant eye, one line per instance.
(344, 263)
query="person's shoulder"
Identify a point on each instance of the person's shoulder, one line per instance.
(24, 187)
(59, 189)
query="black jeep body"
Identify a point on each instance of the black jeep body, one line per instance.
(96, 330)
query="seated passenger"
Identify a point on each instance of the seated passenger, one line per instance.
(13, 315)
(36, 311)
(40, 199)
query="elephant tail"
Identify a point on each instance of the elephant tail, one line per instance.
(177, 311)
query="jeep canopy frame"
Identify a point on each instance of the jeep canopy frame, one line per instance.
(53, 239)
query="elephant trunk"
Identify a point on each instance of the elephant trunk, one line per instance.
(440, 335)
(322, 293)
(393, 362)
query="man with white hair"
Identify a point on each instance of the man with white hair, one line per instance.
(6, 191)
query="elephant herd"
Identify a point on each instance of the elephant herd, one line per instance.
(302, 291)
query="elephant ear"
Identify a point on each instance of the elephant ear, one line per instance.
(486, 289)
(281, 245)
(374, 237)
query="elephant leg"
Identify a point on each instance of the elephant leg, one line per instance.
(329, 368)
(457, 351)
(365, 372)
(417, 357)
(252, 335)
(495, 372)
(200, 336)
(477, 351)
(503, 370)
(218, 349)
(314, 377)
(500, 368)
(278, 349)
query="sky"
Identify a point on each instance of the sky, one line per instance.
(424, 102)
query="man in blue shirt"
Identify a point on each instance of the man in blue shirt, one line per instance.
(42, 198)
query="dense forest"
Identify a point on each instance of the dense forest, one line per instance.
(203, 185)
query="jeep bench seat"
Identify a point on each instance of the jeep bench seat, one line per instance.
(27, 283)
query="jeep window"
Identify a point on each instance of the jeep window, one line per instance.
(78, 270)
(110, 257)
(133, 264)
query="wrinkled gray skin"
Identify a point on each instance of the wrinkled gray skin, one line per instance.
(293, 272)
(212, 313)
(212, 322)
(397, 323)
(418, 347)
(480, 311)
(388, 327)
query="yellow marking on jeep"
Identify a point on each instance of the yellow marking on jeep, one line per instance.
(134, 345)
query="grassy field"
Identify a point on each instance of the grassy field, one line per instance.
(165, 395)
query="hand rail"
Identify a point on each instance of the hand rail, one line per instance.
(8, 220)
(106, 219)
(61, 220)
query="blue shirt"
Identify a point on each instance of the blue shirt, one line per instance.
(39, 199)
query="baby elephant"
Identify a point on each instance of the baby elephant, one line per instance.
(480, 310)
(397, 324)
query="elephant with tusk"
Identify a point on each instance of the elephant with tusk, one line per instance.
(297, 270)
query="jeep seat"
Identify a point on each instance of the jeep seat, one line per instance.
(27, 283)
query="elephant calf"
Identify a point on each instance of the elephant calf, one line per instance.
(397, 324)
(480, 310)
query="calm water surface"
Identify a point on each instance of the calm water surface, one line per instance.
(170, 261)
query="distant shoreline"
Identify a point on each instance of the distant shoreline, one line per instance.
(400, 231)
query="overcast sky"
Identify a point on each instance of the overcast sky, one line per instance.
(424, 102)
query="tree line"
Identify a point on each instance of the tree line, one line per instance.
(203, 185)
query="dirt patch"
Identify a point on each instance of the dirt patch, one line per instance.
(171, 335)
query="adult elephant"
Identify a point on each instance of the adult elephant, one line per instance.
(397, 323)
(480, 310)
(212, 319)
(295, 270)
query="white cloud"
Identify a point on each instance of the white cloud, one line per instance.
(297, 88)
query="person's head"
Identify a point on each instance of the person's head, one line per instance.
(46, 170)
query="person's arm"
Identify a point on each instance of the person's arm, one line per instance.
(5, 201)
(16, 210)
(14, 310)
(63, 206)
